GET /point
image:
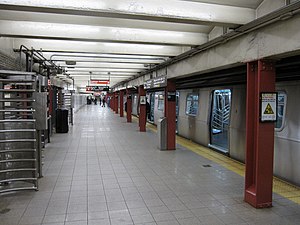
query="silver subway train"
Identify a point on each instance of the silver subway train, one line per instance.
(216, 117)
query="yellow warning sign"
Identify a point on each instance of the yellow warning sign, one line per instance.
(269, 109)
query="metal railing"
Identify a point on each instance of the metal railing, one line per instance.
(220, 119)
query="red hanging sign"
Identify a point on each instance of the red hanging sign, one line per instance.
(104, 82)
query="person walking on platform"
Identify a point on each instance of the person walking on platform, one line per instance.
(147, 110)
(103, 102)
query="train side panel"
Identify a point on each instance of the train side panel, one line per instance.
(202, 122)
(196, 127)
(182, 118)
(237, 127)
(287, 141)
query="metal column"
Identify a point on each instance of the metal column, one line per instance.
(121, 103)
(259, 136)
(142, 114)
(129, 105)
(170, 114)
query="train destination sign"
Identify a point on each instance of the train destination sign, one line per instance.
(156, 82)
(268, 107)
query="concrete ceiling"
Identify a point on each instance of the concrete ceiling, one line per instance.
(116, 39)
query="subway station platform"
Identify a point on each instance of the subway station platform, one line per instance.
(104, 171)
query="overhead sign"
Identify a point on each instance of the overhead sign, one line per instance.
(156, 82)
(97, 88)
(268, 109)
(102, 82)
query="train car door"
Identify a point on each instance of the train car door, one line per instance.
(219, 122)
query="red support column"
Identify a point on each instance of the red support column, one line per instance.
(170, 114)
(142, 114)
(121, 103)
(116, 103)
(129, 105)
(259, 136)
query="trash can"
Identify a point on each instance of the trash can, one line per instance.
(62, 125)
(162, 133)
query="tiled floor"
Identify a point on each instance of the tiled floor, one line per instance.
(106, 172)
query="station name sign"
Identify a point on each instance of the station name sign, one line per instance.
(97, 88)
(156, 82)
(102, 82)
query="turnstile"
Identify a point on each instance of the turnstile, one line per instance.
(18, 150)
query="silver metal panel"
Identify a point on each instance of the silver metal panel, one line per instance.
(43, 81)
(162, 133)
(287, 141)
(40, 106)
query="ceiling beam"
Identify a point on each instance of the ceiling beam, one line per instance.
(154, 10)
(101, 21)
(58, 57)
(78, 70)
(36, 30)
(103, 65)
(97, 47)
(96, 73)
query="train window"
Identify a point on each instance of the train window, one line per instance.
(161, 102)
(282, 96)
(192, 104)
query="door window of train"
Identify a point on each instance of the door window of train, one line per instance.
(177, 103)
(161, 102)
(220, 115)
(152, 101)
(177, 110)
(281, 106)
(192, 104)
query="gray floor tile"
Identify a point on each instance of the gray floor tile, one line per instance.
(76, 217)
(183, 214)
(145, 218)
(116, 206)
(54, 218)
(98, 215)
(76, 223)
(31, 220)
(99, 222)
(158, 217)
(139, 211)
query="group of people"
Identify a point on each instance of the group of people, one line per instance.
(93, 98)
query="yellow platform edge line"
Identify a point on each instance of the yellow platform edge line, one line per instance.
(281, 187)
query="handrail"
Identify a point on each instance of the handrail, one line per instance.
(38, 55)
